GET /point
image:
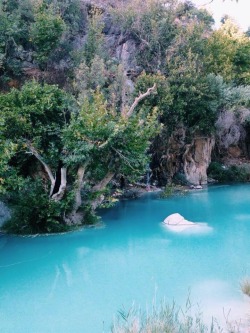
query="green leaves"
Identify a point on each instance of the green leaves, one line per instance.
(34, 212)
(107, 140)
(35, 114)
(46, 33)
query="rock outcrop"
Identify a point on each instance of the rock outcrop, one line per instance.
(197, 158)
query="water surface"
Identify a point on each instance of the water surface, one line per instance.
(77, 282)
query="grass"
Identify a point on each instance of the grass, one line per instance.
(164, 318)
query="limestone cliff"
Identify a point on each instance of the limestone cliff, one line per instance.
(191, 160)
(196, 159)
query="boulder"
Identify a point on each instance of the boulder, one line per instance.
(177, 223)
(177, 219)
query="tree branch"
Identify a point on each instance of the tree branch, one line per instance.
(138, 99)
(33, 151)
(104, 182)
(99, 187)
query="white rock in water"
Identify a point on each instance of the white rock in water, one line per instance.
(177, 223)
(176, 219)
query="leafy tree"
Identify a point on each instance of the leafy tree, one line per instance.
(75, 154)
(102, 143)
(228, 52)
(93, 46)
(46, 33)
(32, 123)
(15, 20)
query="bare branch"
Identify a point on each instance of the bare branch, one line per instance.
(138, 99)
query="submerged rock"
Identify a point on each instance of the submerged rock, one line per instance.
(177, 223)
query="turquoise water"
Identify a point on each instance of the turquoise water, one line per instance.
(77, 282)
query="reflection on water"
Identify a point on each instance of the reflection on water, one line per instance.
(77, 282)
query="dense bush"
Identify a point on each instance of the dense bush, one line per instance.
(33, 212)
(227, 174)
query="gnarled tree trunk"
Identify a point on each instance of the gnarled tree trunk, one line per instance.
(62, 188)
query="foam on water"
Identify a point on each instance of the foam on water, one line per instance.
(77, 282)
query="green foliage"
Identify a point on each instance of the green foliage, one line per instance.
(236, 97)
(155, 24)
(151, 24)
(90, 217)
(167, 191)
(9, 178)
(227, 174)
(162, 99)
(99, 133)
(71, 13)
(196, 97)
(15, 20)
(89, 78)
(35, 115)
(36, 120)
(93, 45)
(46, 33)
(33, 212)
(227, 53)
(88, 130)
(131, 142)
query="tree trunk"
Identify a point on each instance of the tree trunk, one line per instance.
(100, 187)
(60, 194)
(75, 217)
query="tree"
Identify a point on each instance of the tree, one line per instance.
(74, 154)
(31, 136)
(103, 144)
(227, 53)
(15, 20)
(46, 33)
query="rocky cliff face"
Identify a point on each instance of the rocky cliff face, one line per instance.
(196, 159)
(191, 160)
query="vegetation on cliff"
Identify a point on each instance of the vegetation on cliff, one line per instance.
(91, 94)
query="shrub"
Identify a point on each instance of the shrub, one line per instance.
(33, 212)
(46, 33)
(167, 192)
(227, 174)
